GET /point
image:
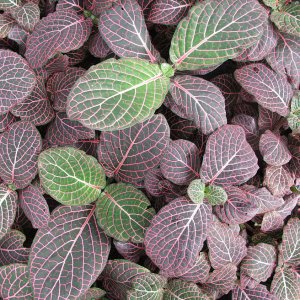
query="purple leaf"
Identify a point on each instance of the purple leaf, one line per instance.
(34, 206)
(271, 90)
(19, 150)
(17, 80)
(290, 202)
(12, 249)
(278, 180)
(225, 247)
(177, 109)
(36, 108)
(71, 246)
(128, 154)
(129, 250)
(61, 31)
(259, 262)
(76, 5)
(267, 119)
(77, 56)
(241, 107)
(200, 99)
(180, 162)
(175, 223)
(63, 131)
(169, 12)
(6, 24)
(272, 221)
(97, 46)
(228, 158)
(19, 35)
(93, 294)
(257, 293)
(6, 120)
(124, 30)
(294, 164)
(99, 6)
(60, 84)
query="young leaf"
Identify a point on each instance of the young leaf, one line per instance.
(195, 191)
(215, 195)
(12, 249)
(61, 31)
(294, 116)
(124, 30)
(128, 154)
(211, 23)
(271, 90)
(189, 221)
(71, 246)
(199, 99)
(180, 162)
(19, 150)
(124, 212)
(17, 80)
(228, 158)
(255, 293)
(129, 251)
(70, 176)
(125, 92)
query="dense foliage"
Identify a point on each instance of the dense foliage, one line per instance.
(149, 149)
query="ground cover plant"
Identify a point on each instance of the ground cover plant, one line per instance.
(149, 149)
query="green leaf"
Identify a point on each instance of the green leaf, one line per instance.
(215, 31)
(147, 287)
(195, 191)
(294, 116)
(117, 94)
(70, 176)
(124, 212)
(215, 195)
(288, 19)
(275, 4)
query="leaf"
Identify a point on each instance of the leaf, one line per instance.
(70, 176)
(195, 191)
(169, 12)
(93, 294)
(166, 237)
(60, 84)
(71, 246)
(199, 99)
(267, 120)
(129, 251)
(272, 222)
(147, 286)
(287, 19)
(6, 120)
(228, 158)
(224, 246)
(128, 154)
(125, 92)
(61, 31)
(7, 4)
(215, 195)
(76, 5)
(99, 6)
(259, 262)
(124, 212)
(36, 108)
(238, 208)
(256, 293)
(19, 150)
(291, 243)
(278, 180)
(27, 15)
(17, 80)
(181, 290)
(34, 206)
(180, 162)
(8, 207)
(6, 24)
(12, 249)
(275, 4)
(14, 282)
(97, 46)
(294, 116)
(63, 131)
(271, 90)
(285, 284)
(194, 44)
(294, 164)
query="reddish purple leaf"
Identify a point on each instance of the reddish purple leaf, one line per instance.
(267, 119)
(201, 100)
(271, 90)
(176, 223)
(257, 293)
(99, 6)
(246, 281)
(61, 31)
(36, 108)
(6, 120)
(77, 5)
(129, 250)
(88, 146)
(290, 202)
(278, 180)
(77, 56)
(169, 12)
(12, 249)
(294, 164)
(34, 206)
(19, 35)
(228, 158)
(17, 80)
(180, 162)
(19, 150)
(128, 154)
(145, 5)
(124, 30)
(60, 84)
(274, 149)
(6, 24)
(177, 109)
(244, 108)
(97, 46)
(225, 247)
(71, 246)
(272, 221)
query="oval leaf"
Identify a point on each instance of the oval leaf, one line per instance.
(215, 195)
(195, 191)
(130, 251)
